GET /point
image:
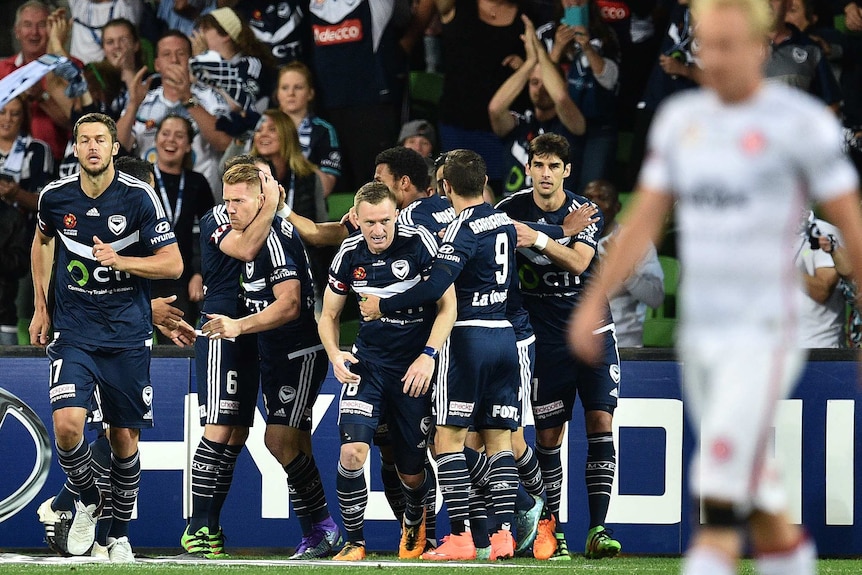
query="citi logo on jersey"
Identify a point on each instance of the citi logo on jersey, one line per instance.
(348, 31)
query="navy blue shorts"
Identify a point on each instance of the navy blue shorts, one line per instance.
(290, 384)
(121, 377)
(379, 397)
(228, 377)
(478, 379)
(560, 377)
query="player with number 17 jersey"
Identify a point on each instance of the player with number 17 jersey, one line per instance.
(101, 306)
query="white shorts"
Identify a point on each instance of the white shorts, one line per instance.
(731, 394)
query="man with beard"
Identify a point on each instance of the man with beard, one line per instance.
(111, 237)
(553, 111)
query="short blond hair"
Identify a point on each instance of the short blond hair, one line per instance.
(758, 13)
(243, 174)
(374, 193)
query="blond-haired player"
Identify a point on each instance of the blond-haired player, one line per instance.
(740, 159)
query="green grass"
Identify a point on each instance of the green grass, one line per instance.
(621, 565)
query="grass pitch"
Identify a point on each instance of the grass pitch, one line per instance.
(19, 565)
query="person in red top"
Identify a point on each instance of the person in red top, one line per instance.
(49, 109)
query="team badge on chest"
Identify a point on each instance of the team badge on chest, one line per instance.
(400, 269)
(117, 224)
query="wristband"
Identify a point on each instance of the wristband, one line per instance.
(430, 352)
(285, 212)
(541, 241)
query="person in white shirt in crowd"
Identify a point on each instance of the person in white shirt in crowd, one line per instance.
(179, 93)
(823, 308)
(89, 16)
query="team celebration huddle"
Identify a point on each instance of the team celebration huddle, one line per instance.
(449, 354)
(472, 316)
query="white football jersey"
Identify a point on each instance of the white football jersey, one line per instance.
(741, 175)
(155, 107)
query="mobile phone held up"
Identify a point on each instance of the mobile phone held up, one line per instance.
(577, 15)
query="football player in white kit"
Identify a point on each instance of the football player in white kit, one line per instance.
(740, 158)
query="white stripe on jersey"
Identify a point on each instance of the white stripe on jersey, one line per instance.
(220, 214)
(136, 183)
(348, 245)
(214, 353)
(392, 289)
(86, 251)
(405, 216)
(506, 200)
(276, 250)
(452, 229)
(492, 323)
(50, 187)
(427, 237)
(303, 389)
(441, 391)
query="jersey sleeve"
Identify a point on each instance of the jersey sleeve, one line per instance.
(339, 270)
(156, 230)
(826, 170)
(284, 266)
(42, 210)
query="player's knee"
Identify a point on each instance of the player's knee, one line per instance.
(549, 438)
(280, 448)
(723, 515)
(599, 420)
(413, 480)
(68, 434)
(353, 455)
(124, 442)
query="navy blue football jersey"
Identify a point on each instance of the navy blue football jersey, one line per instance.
(433, 213)
(221, 273)
(94, 304)
(282, 258)
(549, 291)
(479, 250)
(398, 337)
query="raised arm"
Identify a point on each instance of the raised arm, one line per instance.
(568, 112)
(245, 244)
(502, 121)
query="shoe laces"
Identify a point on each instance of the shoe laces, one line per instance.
(412, 534)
